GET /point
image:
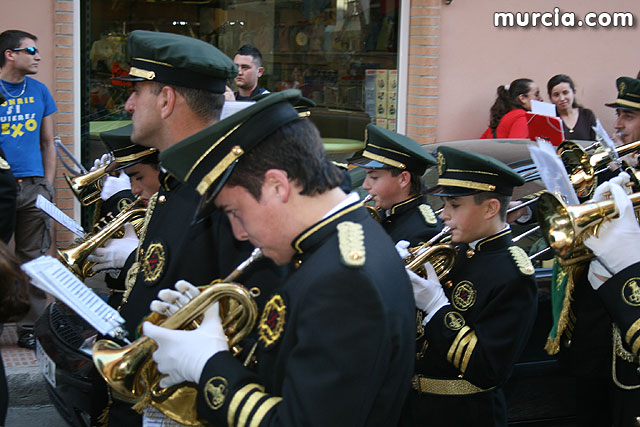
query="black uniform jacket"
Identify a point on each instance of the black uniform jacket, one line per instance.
(480, 336)
(8, 191)
(175, 248)
(621, 297)
(336, 340)
(412, 220)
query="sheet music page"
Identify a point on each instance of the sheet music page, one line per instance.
(552, 171)
(60, 217)
(50, 275)
(231, 107)
(543, 108)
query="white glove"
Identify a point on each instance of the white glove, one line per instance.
(115, 252)
(597, 274)
(171, 301)
(181, 355)
(102, 161)
(402, 247)
(622, 179)
(113, 184)
(428, 293)
(618, 240)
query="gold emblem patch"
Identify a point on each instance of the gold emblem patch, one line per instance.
(428, 214)
(442, 164)
(454, 320)
(522, 260)
(464, 295)
(153, 263)
(622, 88)
(124, 203)
(631, 292)
(4, 165)
(272, 320)
(351, 242)
(215, 392)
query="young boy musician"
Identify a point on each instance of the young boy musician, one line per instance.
(395, 165)
(478, 319)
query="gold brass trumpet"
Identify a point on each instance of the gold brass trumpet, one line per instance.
(565, 227)
(131, 372)
(373, 211)
(87, 187)
(75, 257)
(583, 167)
(442, 256)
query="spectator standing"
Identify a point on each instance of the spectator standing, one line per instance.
(576, 120)
(26, 137)
(508, 113)
(248, 59)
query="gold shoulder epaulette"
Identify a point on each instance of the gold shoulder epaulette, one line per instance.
(522, 260)
(351, 242)
(428, 214)
(4, 165)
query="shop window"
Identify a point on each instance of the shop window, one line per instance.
(342, 54)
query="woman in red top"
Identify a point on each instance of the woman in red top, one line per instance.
(508, 118)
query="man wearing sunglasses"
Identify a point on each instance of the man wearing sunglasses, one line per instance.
(26, 137)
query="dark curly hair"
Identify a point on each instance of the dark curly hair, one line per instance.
(507, 100)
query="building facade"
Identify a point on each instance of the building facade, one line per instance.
(442, 60)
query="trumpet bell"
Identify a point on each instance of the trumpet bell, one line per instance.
(131, 372)
(565, 227)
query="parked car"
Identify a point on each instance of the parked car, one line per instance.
(538, 393)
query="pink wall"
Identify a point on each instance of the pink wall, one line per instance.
(476, 58)
(37, 18)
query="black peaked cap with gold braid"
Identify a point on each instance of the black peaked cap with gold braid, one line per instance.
(628, 94)
(386, 149)
(462, 173)
(205, 160)
(178, 60)
(125, 152)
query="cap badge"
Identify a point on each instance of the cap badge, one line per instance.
(351, 242)
(442, 164)
(272, 321)
(154, 262)
(215, 392)
(464, 295)
(631, 292)
(622, 87)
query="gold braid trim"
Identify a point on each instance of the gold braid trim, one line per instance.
(132, 274)
(566, 315)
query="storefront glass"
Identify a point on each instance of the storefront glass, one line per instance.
(322, 47)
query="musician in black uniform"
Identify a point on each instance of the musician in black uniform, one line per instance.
(394, 167)
(125, 156)
(336, 340)
(614, 277)
(178, 86)
(607, 385)
(479, 319)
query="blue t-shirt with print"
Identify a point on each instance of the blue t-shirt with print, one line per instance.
(20, 123)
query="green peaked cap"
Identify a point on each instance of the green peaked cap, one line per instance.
(204, 160)
(178, 60)
(462, 173)
(628, 94)
(385, 148)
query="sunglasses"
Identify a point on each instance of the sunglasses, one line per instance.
(30, 50)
